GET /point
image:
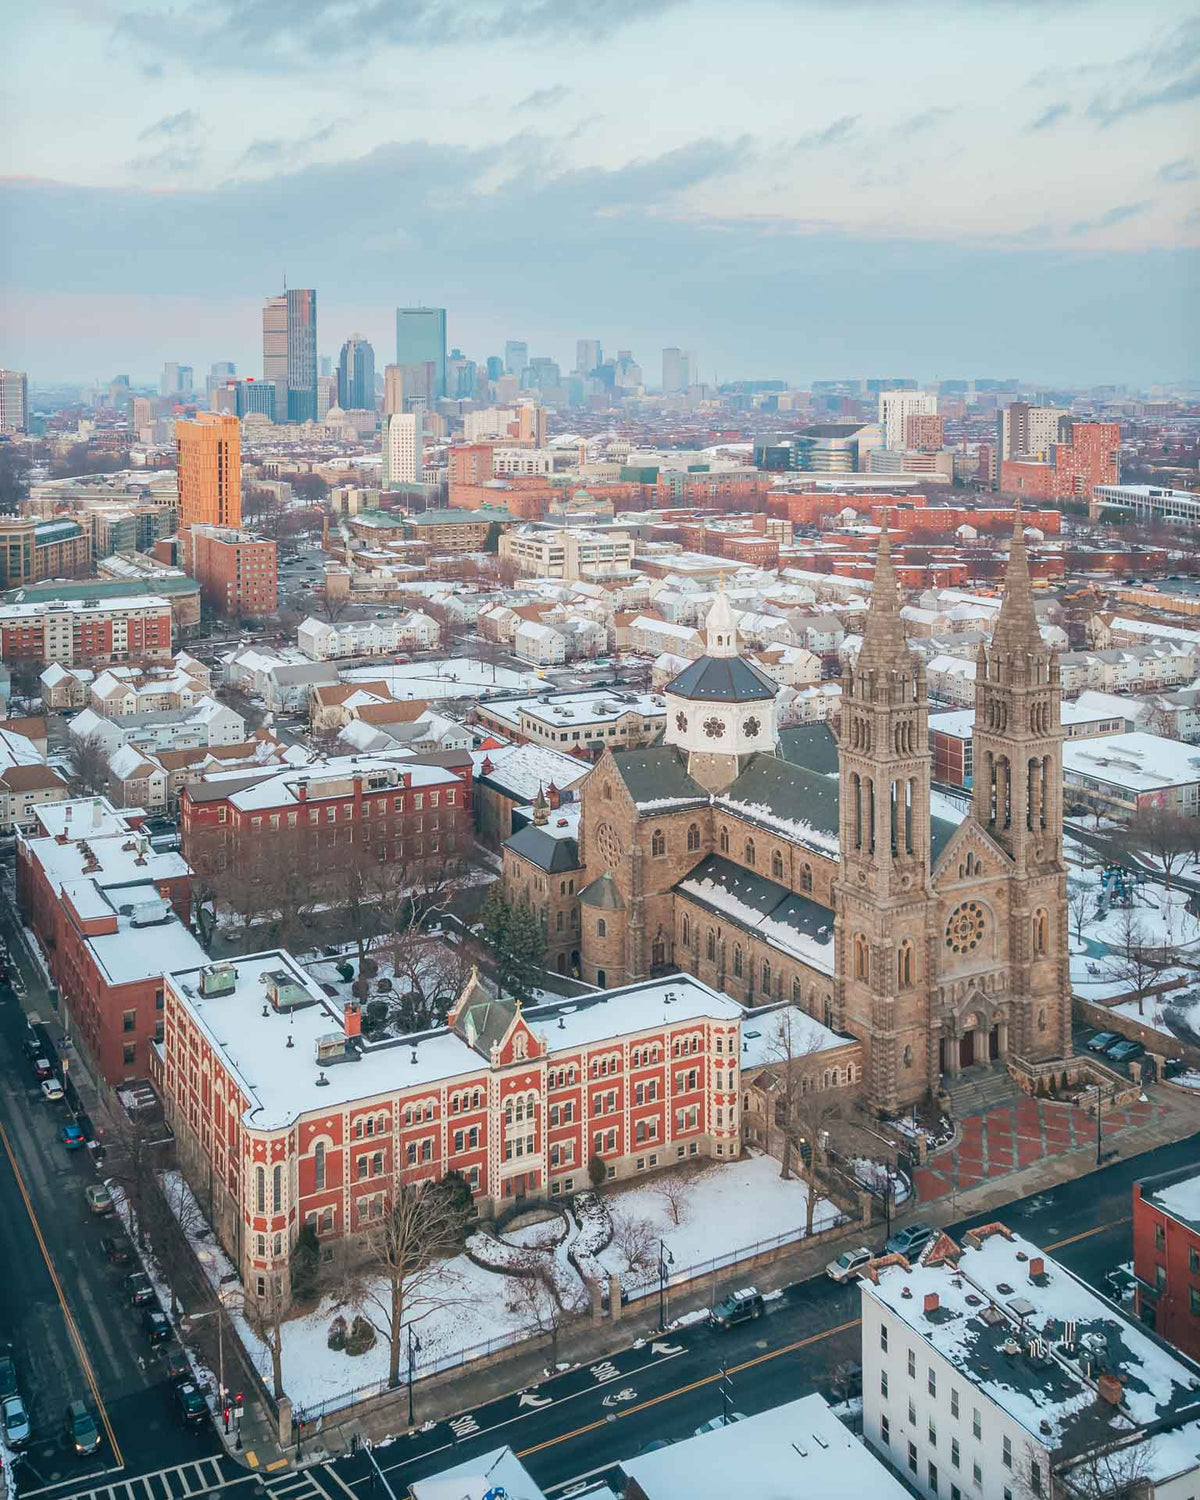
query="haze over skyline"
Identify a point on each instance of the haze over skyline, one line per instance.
(808, 190)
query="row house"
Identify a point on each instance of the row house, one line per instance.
(321, 641)
(286, 1116)
(120, 691)
(652, 637)
(87, 632)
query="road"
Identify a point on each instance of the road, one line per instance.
(61, 1303)
(581, 1422)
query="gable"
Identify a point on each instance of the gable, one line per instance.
(969, 842)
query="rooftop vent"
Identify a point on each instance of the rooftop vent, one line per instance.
(285, 992)
(150, 913)
(322, 1081)
(218, 979)
(331, 1047)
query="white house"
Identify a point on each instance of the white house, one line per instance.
(544, 644)
(321, 641)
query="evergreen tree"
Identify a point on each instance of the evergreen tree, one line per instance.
(496, 918)
(305, 1263)
(525, 952)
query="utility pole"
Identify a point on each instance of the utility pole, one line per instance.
(665, 1259)
(414, 1346)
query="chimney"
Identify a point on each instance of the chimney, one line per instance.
(553, 796)
(931, 1303)
(352, 1018)
(487, 767)
(302, 789)
(97, 813)
(1108, 1388)
(67, 813)
(1037, 1267)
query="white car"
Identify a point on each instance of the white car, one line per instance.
(848, 1264)
(52, 1089)
(16, 1422)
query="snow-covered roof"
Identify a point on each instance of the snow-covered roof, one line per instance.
(521, 769)
(1136, 762)
(588, 706)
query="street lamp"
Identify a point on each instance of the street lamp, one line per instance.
(414, 1348)
(665, 1259)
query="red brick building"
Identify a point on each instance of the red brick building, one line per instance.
(925, 431)
(1166, 1256)
(285, 1116)
(85, 632)
(1075, 468)
(237, 573)
(108, 913)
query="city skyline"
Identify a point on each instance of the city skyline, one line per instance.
(896, 215)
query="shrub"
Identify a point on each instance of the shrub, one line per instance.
(368, 968)
(305, 1263)
(337, 1334)
(376, 1014)
(597, 1172)
(361, 1336)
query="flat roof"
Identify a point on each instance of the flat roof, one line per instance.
(1136, 762)
(567, 710)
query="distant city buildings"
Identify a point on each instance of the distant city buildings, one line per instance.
(237, 573)
(1024, 431)
(402, 435)
(516, 356)
(421, 339)
(290, 353)
(1086, 455)
(393, 389)
(895, 408)
(14, 401)
(356, 375)
(677, 371)
(587, 356)
(176, 380)
(210, 470)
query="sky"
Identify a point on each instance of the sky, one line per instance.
(794, 189)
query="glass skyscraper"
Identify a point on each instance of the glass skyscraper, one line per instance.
(356, 375)
(421, 339)
(290, 353)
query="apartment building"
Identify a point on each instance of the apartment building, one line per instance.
(570, 553)
(87, 631)
(593, 721)
(237, 573)
(32, 550)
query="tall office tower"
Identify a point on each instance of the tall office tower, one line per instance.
(170, 382)
(531, 425)
(627, 373)
(326, 365)
(403, 438)
(210, 470)
(220, 373)
(393, 389)
(516, 356)
(895, 407)
(421, 339)
(495, 367)
(327, 395)
(142, 417)
(541, 374)
(1024, 431)
(14, 401)
(676, 371)
(419, 383)
(587, 355)
(356, 375)
(290, 353)
(119, 394)
(461, 376)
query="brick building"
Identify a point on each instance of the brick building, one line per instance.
(516, 1100)
(924, 431)
(210, 470)
(237, 573)
(80, 632)
(457, 530)
(1091, 457)
(108, 913)
(1166, 1256)
(32, 550)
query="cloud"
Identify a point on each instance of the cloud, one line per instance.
(1108, 111)
(544, 98)
(279, 151)
(1170, 74)
(171, 126)
(831, 134)
(1051, 115)
(1181, 170)
(225, 35)
(1112, 216)
(927, 119)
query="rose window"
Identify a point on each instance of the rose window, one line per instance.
(608, 844)
(751, 726)
(681, 723)
(964, 930)
(714, 728)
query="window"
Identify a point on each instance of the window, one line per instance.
(904, 965)
(933, 1477)
(1194, 1261)
(976, 1424)
(861, 957)
(1035, 1477)
(883, 1384)
(912, 1457)
(658, 842)
(883, 1337)
(931, 1382)
(1194, 1301)
(260, 1190)
(1006, 1452)
(977, 1473)
(912, 1365)
(750, 852)
(885, 1432)
(1160, 1277)
(777, 865)
(932, 1433)
(693, 838)
(955, 1453)
(912, 1413)
(1160, 1237)
(737, 960)
(953, 1402)
(129, 1052)
(129, 1020)
(601, 928)
(319, 1165)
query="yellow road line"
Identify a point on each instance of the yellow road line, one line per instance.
(72, 1329)
(813, 1338)
(1086, 1234)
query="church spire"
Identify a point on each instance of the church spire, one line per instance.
(883, 643)
(1017, 626)
(721, 625)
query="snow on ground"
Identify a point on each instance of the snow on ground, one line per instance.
(1188, 1080)
(457, 677)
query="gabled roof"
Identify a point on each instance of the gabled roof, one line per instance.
(812, 746)
(789, 799)
(543, 849)
(795, 924)
(723, 679)
(657, 775)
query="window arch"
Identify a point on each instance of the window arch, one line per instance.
(862, 957)
(658, 842)
(260, 1190)
(319, 1165)
(1041, 932)
(601, 928)
(750, 852)
(693, 837)
(797, 992)
(710, 946)
(723, 840)
(686, 930)
(277, 1190)
(766, 977)
(777, 865)
(806, 878)
(905, 965)
(737, 959)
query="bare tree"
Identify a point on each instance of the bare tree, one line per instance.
(1134, 961)
(1166, 835)
(334, 606)
(672, 1188)
(267, 1314)
(402, 1249)
(635, 1241)
(89, 765)
(804, 1110)
(1081, 909)
(532, 1293)
(1115, 1470)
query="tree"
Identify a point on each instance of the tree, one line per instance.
(1081, 909)
(14, 478)
(25, 673)
(597, 1171)
(1167, 836)
(1135, 962)
(333, 606)
(403, 1248)
(804, 1112)
(491, 542)
(513, 934)
(672, 1188)
(305, 1264)
(310, 488)
(533, 1294)
(88, 756)
(635, 1241)
(1119, 1469)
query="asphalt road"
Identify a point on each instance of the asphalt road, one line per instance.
(583, 1421)
(61, 1303)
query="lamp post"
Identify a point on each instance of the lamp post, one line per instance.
(414, 1348)
(665, 1259)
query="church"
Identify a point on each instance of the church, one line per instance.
(776, 866)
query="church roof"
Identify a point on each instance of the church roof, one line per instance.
(723, 679)
(603, 894)
(812, 746)
(656, 777)
(544, 849)
(788, 799)
(484, 1023)
(796, 924)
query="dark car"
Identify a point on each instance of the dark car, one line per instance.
(911, 1240)
(190, 1404)
(71, 1136)
(116, 1251)
(738, 1307)
(155, 1324)
(1103, 1040)
(80, 1432)
(31, 1045)
(178, 1368)
(1125, 1051)
(138, 1289)
(8, 1376)
(42, 1068)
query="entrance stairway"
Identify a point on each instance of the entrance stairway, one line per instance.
(981, 1088)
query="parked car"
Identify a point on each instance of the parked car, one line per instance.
(42, 1069)
(138, 1289)
(155, 1324)
(31, 1045)
(190, 1404)
(8, 1375)
(80, 1432)
(178, 1368)
(52, 1090)
(99, 1199)
(116, 1251)
(714, 1424)
(1125, 1050)
(1102, 1041)
(848, 1264)
(738, 1307)
(911, 1240)
(16, 1422)
(71, 1136)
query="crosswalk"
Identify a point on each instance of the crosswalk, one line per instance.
(201, 1477)
(320, 1483)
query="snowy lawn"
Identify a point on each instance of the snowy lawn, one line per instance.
(457, 677)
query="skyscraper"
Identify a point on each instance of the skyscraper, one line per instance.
(290, 353)
(393, 389)
(219, 373)
(676, 371)
(356, 375)
(210, 470)
(587, 355)
(421, 339)
(403, 440)
(495, 367)
(516, 356)
(176, 379)
(895, 407)
(14, 401)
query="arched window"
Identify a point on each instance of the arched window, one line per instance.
(260, 1190)
(737, 959)
(319, 1165)
(1041, 932)
(806, 878)
(607, 792)
(658, 842)
(693, 837)
(520, 1110)
(601, 928)
(766, 977)
(724, 840)
(797, 992)
(777, 865)
(277, 1190)
(686, 930)
(904, 965)
(710, 946)
(862, 957)
(750, 851)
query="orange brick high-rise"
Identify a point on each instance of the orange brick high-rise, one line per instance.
(210, 470)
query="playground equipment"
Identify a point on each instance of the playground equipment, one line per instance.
(1117, 887)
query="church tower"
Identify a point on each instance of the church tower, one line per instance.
(882, 893)
(1017, 799)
